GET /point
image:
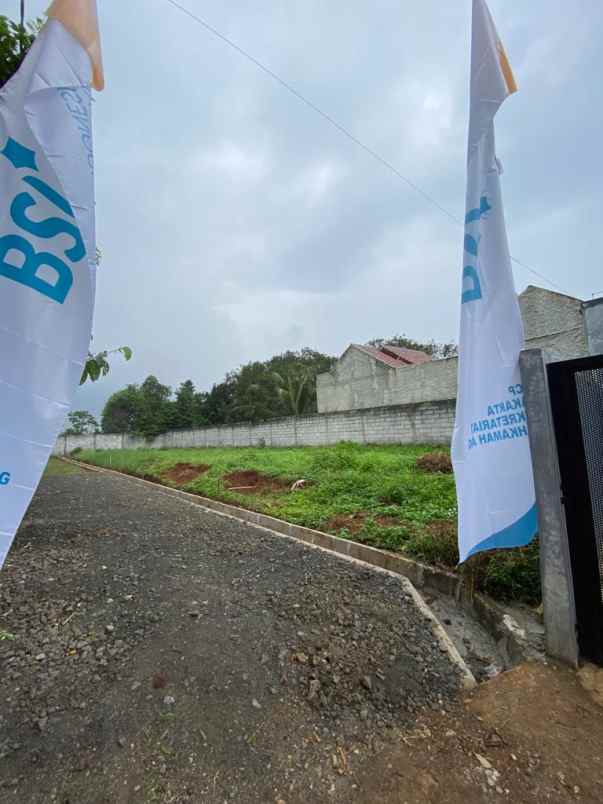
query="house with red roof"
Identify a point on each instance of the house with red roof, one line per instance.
(369, 376)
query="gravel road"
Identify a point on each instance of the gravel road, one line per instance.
(154, 652)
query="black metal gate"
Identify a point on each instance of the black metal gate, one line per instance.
(576, 388)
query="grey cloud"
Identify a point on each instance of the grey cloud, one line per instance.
(235, 222)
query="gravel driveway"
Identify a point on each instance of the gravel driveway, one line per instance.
(153, 652)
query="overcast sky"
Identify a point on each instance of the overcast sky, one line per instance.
(235, 223)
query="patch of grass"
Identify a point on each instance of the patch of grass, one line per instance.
(57, 468)
(377, 495)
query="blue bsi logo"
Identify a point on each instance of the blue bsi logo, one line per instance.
(27, 273)
(471, 281)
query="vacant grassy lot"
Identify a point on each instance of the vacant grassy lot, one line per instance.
(375, 495)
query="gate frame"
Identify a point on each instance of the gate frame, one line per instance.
(561, 638)
(579, 511)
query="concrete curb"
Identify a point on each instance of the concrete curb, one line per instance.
(489, 614)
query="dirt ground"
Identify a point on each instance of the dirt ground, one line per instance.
(152, 652)
(248, 481)
(532, 734)
(183, 473)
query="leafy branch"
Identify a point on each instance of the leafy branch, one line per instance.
(98, 365)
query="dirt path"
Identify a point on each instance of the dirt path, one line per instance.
(156, 653)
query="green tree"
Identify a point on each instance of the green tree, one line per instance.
(433, 348)
(184, 407)
(294, 375)
(219, 400)
(154, 413)
(121, 410)
(199, 409)
(15, 41)
(254, 394)
(81, 422)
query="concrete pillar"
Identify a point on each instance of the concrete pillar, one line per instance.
(555, 567)
(593, 325)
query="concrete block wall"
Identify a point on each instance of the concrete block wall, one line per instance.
(424, 423)
(359, 381)
(553, 322)
(66, 444)
(564, 326)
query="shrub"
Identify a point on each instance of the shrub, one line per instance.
(435, 543)
(514, 574)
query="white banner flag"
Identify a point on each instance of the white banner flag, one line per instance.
(47, 247)
(490, 449)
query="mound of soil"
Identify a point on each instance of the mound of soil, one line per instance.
(435, 462)
(249, 481)
(183, 473)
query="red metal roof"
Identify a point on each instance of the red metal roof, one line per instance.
(394, 356)
(413, 356)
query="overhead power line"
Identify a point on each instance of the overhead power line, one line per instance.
(342, 129)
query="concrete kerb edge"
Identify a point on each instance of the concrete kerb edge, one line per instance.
(489, 614)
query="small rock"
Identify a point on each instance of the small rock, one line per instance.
(121, 742)
(159, 681)
(256, 704)
(42, 723)
(135, 686)
(40, 657)
(494, 740)
(483, 762)
(314, 689)
(367, 683)
(492, 776)
(169, 700)
(109, 629)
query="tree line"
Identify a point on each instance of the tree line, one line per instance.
(284, 385)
